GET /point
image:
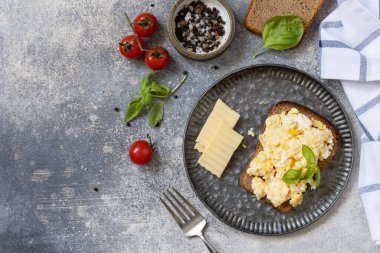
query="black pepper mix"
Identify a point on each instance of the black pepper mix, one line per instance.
(199, 28)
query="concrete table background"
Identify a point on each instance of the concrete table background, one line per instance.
(61, 76)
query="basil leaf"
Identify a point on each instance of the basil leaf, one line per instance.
(282, 32)
(145, 84)
(156, 114)
(147, 99)
(292, 176)
(309, 173)
(159, 90)
(134, 109)
(149, 91)
(317, 180)
(309, 155)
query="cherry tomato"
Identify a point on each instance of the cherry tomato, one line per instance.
(157, 58)
(140, 152)
(129, 47)
(145, 24)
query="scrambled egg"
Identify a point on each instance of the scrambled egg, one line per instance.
(282, 142)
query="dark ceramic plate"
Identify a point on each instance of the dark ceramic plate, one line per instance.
(252, 92)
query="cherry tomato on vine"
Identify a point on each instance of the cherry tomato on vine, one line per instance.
(145, 24)
(157, 58)
(129, 47)
(141, 151)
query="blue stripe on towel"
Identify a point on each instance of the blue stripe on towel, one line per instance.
(368, 40)
(369, 188)
(332, 24)
(373, 102)
(363, 68)
(332, 43)
(369, 136)
(364, 139)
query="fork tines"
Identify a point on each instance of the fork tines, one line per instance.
(181, 211)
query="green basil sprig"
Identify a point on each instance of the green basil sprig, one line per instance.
(292, 176)
(312, 173)
(281, 32)
(150, 92)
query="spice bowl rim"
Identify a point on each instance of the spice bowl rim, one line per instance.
(204, 56)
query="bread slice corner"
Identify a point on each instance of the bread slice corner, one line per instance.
(259, 11)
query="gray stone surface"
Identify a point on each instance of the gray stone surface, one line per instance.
(61, 76)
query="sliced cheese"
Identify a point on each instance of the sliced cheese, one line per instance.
(198, 146)
(220, 113)
(220, 150)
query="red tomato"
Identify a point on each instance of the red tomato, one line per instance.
(140, 152)
(145, 24)
(157, 58)
(129, 47)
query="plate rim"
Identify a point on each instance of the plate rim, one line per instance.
(266, 65)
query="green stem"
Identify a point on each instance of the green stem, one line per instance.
(134, 33)
(185, 74)
(157, 96)
(152, 144)
(258, 51)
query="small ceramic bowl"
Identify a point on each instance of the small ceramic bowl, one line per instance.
(227, 15)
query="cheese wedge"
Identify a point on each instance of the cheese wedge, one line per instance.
(220, 113)
(220, 150)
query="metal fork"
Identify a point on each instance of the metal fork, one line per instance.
(188, 218)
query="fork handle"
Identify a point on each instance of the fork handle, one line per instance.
(208, 245)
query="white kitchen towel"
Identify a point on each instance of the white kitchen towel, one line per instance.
(350, 51)
(365, 100)
(350, 42)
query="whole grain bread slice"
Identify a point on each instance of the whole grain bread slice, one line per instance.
(285, 106)
(259, 11)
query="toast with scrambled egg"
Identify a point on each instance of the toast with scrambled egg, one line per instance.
(300, 123)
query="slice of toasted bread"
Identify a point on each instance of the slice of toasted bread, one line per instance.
(246, 179)
(260, 11)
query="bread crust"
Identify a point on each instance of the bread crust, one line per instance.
(247, 25)
(285, 106)
(251, 27)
